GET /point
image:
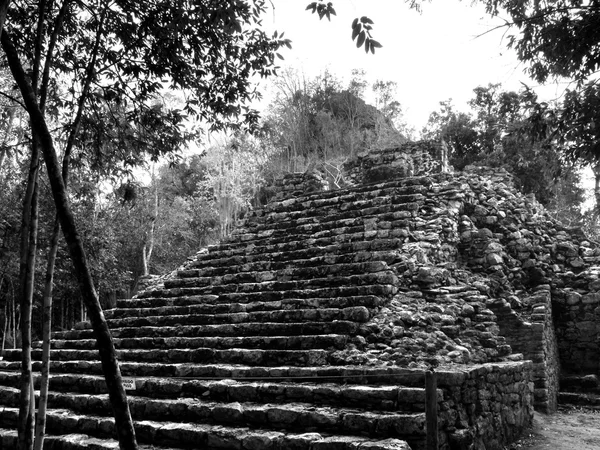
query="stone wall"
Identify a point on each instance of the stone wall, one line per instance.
(577, 316)
(535, 338)
(410, 159)
(296, 184)
(486, 406)
(483, 406)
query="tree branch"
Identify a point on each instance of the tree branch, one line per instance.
(50, 53)
(89, 75)
(13, 99)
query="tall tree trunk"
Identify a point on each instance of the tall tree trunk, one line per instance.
(40, 427)
(110, 366)
(13, 315)
(26, 277)
(6, 322)
(596, 170)
(149, 244)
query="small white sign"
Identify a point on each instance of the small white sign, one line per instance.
(129, 384)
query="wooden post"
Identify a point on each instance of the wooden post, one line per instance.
(431, 410)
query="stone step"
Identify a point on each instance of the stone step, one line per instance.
(294, 241)
(332, 285)
(288, 284)
(299, 342)
(197, 355)
(303, 248)
(301, 251)
(204, 436)
(187, 296)
(384, 398)
(195, 277)
(332, 222)
(321, 207)
(278, 216)
(353, 313)
(579, 399)
(73, 441)
(281, 416)
(265, 262)
(212, 304)
(585, 383)
(266, 270)
(352, 375)
(320, 199)
(237, 329)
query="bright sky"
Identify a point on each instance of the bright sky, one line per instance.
(433, 56)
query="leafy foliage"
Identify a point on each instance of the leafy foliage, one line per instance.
(211, 50)
(556, 37)
(578, 123)
(320, 120)
(501, 133)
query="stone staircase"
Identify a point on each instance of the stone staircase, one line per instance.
(281, 337)
(580, 391)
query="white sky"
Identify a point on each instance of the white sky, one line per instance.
(432, 56)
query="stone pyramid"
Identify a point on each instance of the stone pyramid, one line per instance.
(313, 325)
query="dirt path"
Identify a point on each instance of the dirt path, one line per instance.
(571, 429)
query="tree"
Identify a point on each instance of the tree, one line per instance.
(556, 38)
(458, 130)
(391, 109)
(234, 177)
(209, 50)
(500, 132)
(323, 121)
(575, 126)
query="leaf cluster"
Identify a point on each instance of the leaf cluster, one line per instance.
(322, 9)
(361, 31)
(361, 27)
(208, 49)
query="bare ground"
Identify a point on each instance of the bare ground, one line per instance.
(568, 429)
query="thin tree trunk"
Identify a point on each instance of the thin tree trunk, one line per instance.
(26, 275)
(110, 366)
(40, 428)
(596, 170)
(62, 313)
(149, 244)
(14, 319)
(6, 323)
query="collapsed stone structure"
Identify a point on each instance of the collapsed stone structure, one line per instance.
(312, 326)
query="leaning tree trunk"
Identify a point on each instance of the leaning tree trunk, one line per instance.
(110, 366)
